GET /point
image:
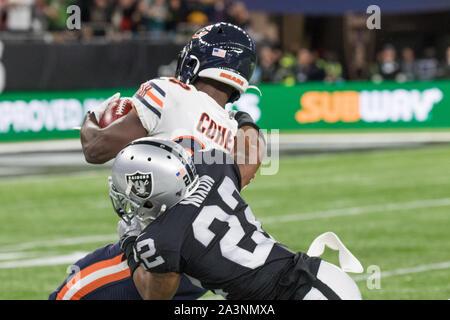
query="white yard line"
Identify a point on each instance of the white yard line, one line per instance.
(72, 257)
(400, 206)
(85, 174)
(263, 203)
(46, 261)
(17, 255)
(388, 207)
(60, 242)
(403, 271)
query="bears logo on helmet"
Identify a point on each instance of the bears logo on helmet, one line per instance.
(200, 33)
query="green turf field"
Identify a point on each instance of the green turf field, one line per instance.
(390, 208)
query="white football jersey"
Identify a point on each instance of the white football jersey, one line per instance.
(170, 109)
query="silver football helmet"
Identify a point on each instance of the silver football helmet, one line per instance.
(150, 176)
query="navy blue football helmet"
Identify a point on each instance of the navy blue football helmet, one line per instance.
(223, 52)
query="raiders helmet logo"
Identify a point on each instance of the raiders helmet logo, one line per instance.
(141, 184)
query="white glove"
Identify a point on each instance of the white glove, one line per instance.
(128, 230)
(100, 109)
(232, 113)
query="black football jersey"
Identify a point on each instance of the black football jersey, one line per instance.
(214, 239)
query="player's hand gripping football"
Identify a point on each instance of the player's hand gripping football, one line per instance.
(100, 109)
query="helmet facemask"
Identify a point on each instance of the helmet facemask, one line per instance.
(150, 176)
(128, 206)
(187, 67)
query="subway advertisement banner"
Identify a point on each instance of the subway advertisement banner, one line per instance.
(353, 105)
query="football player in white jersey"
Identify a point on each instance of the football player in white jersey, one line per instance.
(213, 69)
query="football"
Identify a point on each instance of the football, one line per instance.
(115, 111)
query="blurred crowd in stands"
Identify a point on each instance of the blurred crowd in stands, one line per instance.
(177, 20)
(308, 65)
(119, 19)
(407, 67)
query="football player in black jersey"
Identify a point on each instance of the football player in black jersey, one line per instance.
(198, 225)
(104, 273)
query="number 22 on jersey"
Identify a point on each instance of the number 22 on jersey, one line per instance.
(229, 242)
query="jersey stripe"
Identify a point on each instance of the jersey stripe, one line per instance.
(101, 281)
(154, 98)
(94, 271)
(95, 280)
(157, 88)
(148, 105)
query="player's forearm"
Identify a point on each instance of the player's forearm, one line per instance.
(140, 276)
(141, 281)
(103, 144)
(94, 142)
(249, 149)
(155, 286)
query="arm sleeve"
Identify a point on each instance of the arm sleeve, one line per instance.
(150, 101)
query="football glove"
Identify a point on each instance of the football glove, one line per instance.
(126, 230)
(128, 234)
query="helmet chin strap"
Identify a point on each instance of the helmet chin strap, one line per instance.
(256, 88)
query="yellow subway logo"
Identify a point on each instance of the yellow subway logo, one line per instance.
(367, 106)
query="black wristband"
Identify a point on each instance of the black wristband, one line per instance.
(244, 119)
(128, 249)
